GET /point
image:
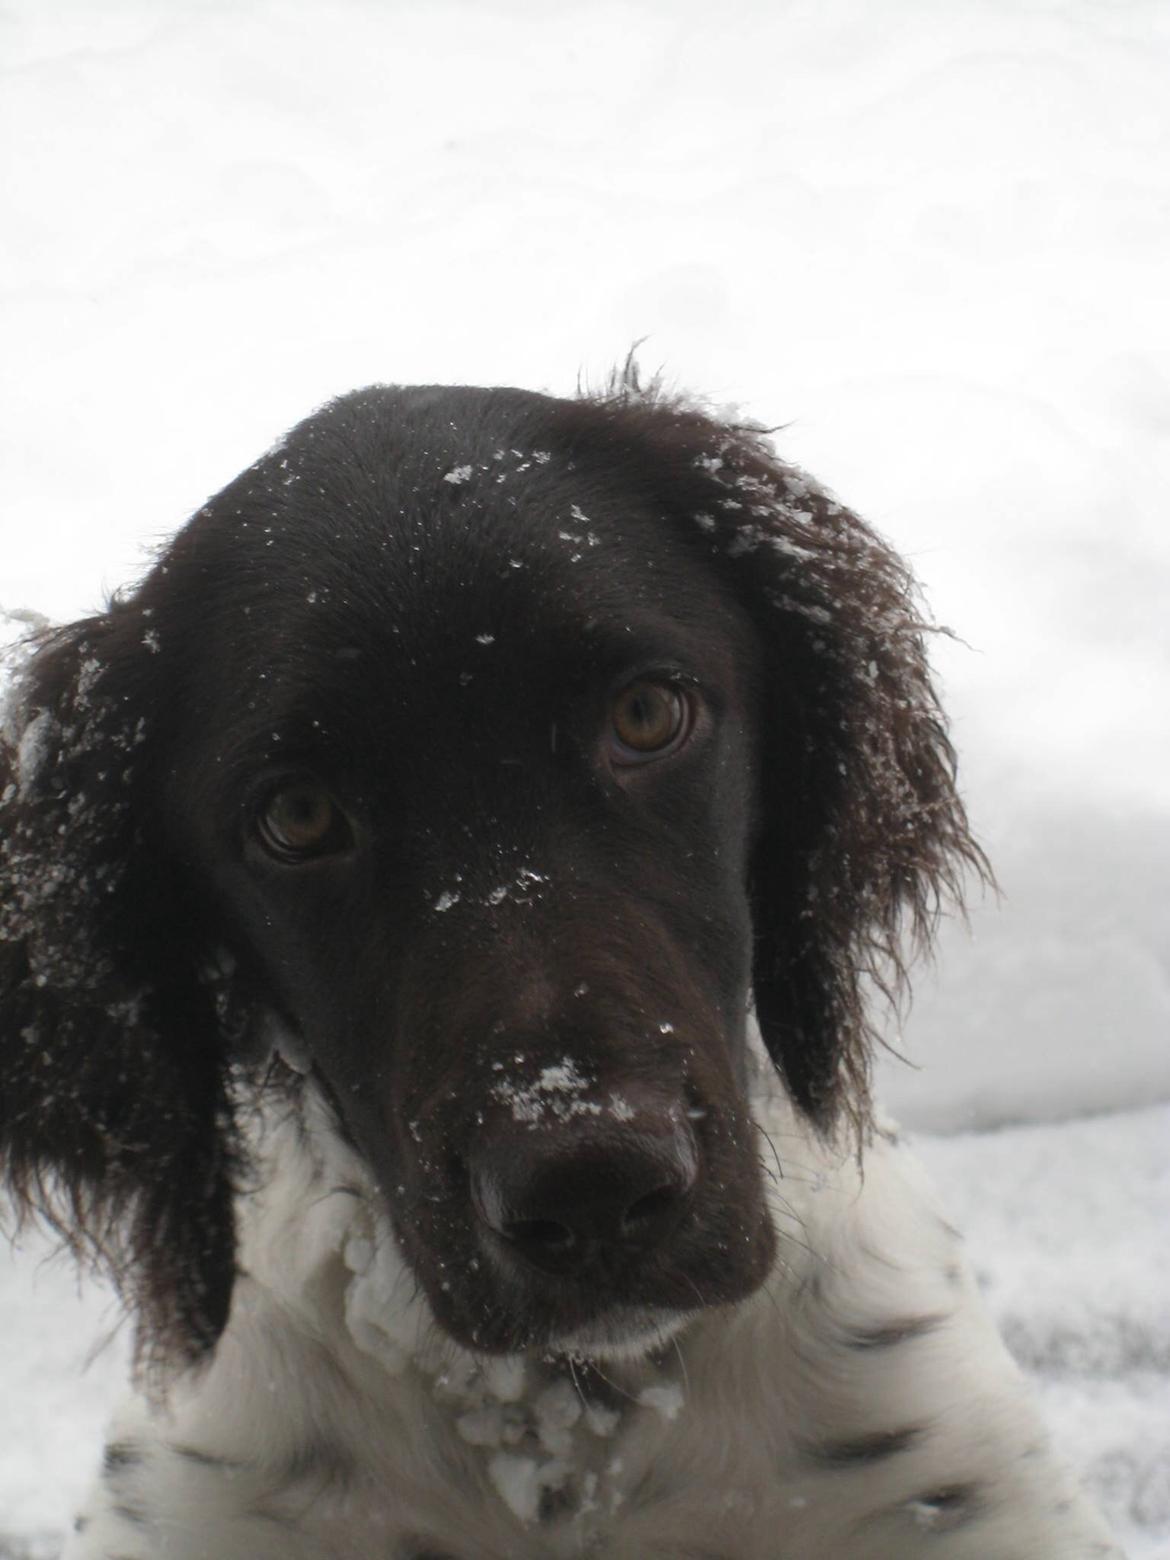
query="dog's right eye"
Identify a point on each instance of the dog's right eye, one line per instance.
(300, 821)
(648, 720)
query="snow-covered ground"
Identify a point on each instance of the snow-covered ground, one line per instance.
(931, 239)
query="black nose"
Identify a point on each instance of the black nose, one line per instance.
(603, 1187)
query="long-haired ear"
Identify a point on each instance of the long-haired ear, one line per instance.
(863, 835)
(114, 1117)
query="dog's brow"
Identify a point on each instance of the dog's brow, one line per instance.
(705, 654)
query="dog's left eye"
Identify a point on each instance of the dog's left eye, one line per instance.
(300, 821)
(648, 720)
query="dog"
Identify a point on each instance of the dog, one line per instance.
(439, 910)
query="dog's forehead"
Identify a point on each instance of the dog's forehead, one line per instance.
(446, 532)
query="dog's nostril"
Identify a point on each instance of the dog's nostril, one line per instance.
(643, 1215)
(545, 1235)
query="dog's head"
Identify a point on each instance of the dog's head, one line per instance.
(484, 757)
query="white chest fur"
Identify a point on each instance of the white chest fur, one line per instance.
(859, 1407)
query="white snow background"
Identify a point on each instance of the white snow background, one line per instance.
(931, 239)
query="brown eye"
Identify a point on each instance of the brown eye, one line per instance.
(302, 820)
(648, 720)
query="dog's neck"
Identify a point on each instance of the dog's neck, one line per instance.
(333, 1380)
(548, 1429)
(316, 1238)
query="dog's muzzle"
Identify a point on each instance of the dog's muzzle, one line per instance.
(581, 1187)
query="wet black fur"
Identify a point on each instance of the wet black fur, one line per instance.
(126, 1049)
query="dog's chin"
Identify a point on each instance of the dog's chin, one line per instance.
(617, 1332)
(627, 1333)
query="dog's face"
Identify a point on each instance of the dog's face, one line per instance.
(478, 818)
(505, 749)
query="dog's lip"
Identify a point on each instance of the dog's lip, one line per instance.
(624, 1332)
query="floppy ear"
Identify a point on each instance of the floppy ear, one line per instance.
(114, 1116)
(863, 832)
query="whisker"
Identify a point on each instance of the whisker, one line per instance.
(767, 1137)
(683, 1367)
(577, 1387)
(621, 1391)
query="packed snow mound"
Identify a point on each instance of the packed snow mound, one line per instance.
(1054, 1001)
(1067, 1227)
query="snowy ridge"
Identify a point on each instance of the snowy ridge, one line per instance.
(1081, 1295)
